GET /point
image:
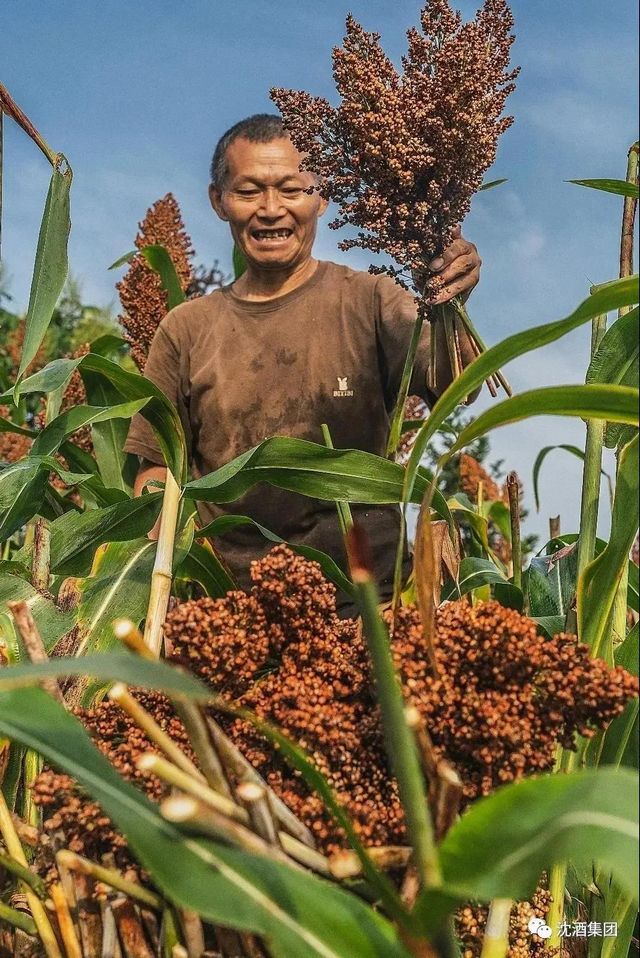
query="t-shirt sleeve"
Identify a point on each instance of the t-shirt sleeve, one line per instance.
(395, 312)
(163, 369)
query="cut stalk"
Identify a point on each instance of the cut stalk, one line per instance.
(41, 556)
(152, 764)
(24, 873)
(120, 694)
(256, 802)
(65, 921)
(194, 721)
(554, 527)
(130, 930)
(109, 876)
(468, 326)
(15, 850)
(513, 489)
(401, 746)
(128, 633)
(496, 936)
(346, 864)
(34, 646)
(163, 566)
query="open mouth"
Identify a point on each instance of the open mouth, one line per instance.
(271, 236)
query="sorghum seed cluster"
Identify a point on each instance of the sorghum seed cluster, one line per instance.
(473, 475)
(142, 294)
(504, 699)
(13, 446)
(404, 152)
(67, 808)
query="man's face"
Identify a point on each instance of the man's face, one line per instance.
(272, 219)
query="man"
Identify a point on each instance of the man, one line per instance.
(292, 344)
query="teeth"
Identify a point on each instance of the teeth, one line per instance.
(271, 234)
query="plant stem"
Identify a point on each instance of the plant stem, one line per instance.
(18, 919)
(344, 509)
(398, 412)
(496, 936)
(401, 746)
(554, 527)
(65, 921)
(196, 727)
(40, 561)
(473, 333)
(513, 489)
(34, 646)
(11, 108)
(163, 566)
(153, 764)
(15, 849)
(24, 873)
(109, 876)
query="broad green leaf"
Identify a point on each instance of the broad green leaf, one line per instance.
(619, 734)
(550, 624)
(48, 379)
(295, 912)
(542, 455)
(23, 488)
(473, 574)
(616, 359)
(119, 666)
(118, 588)
(490, 185)
(201, 565)
(620, 187)
(64, 425)
(117, 468)
(618, 293)
(6, 425)
(633, 573)
(308, 468)
(550, 583)
(599, 582)
(158, 258)
(52, 624)
(330, 568)
(50, 269)
(503, 842)
(594, 401)
(76, 536)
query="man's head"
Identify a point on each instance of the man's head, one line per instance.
(258, 188)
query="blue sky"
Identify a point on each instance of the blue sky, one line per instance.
(136, 95)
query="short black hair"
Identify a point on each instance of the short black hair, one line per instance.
(259, 128)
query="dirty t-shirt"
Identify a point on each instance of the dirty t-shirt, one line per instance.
(239, 372)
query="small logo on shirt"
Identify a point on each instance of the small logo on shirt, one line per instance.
(343, 387)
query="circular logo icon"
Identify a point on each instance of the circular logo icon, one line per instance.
(537, 926)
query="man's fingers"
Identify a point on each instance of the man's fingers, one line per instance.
(460, 287)
(458, 267)
(459, 247)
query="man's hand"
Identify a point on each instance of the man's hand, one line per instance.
(458, 268)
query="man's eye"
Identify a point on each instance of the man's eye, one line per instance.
(292, 191)
(248, 192)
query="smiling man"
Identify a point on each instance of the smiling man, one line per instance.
(290, 345)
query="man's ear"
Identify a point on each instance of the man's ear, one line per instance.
(215, 198)
(322, 207)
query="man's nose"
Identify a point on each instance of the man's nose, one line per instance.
(271, 206)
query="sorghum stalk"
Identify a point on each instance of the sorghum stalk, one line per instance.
(18, 919)
(496, 935)
(65, 921)
(163, 566)
(398, 413)
(344, 509)
(401, 746)
(41, 555)
(15, 849)
(153, 764)
(513, 489)
(110, 877)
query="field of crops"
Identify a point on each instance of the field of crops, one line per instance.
(191, 769)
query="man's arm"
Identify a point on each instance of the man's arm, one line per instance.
(149, 472)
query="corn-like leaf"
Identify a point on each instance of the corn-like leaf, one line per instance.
(542, 455)
(297, 913)
(50, 269)
(55, 432)
(620, 187)
(599, 582)
(50, 621)
(200, 564)
(159, 259)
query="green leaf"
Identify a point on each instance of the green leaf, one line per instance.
(308, 468)
(116, 467)
(542, 455)
(616, 359)
(550, 583)
(297, 913)
(599, 582)
(239, 262)
(502, 843)
(53, 435)
(618, 293)
(48, 379)
(490, 185)
(620, 187)
(473, 574)
(6, 425)
(76, 536)
(52, 624)
(125, 258)
(330, 568)
(594, 401)
(50, 269)
(118, 588)
(159, 259)
(119, 666)
(619, 733)
(549, 624)
(201, 565)
(23, 490)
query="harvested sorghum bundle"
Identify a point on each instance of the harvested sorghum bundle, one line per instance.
(66, 806)
(504, 699)
(404, 152)
(143, 297)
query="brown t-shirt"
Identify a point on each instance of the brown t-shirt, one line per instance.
(239, 371)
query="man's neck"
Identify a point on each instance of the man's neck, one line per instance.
(268, 284)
